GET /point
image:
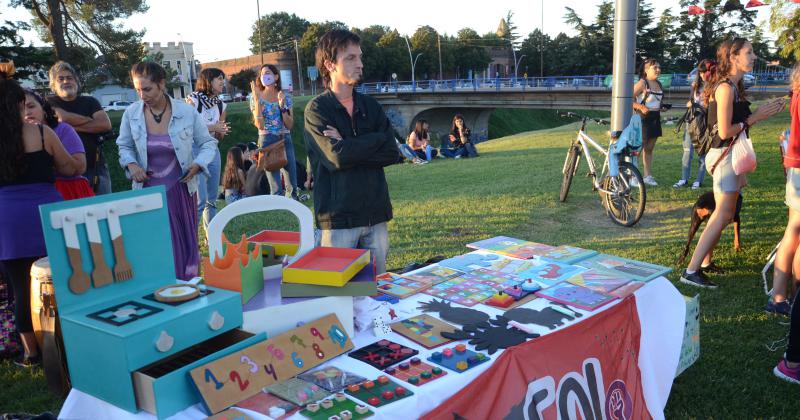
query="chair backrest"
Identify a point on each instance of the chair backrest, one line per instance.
(258, 204)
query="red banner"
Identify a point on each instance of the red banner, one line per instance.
(588, 371)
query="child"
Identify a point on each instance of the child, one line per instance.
(234, 179)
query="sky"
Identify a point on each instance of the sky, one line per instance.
(220, 30)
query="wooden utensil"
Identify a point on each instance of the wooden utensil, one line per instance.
(122, 267)
(79, 281)
(101, 273)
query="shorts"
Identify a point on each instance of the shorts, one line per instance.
(725, 180)
(793, 188)
(651, 125)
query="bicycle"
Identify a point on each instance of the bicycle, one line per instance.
(620, 185)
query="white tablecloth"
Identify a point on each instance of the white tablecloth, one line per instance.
(661, 312)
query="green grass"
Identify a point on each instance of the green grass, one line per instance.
(512, 190)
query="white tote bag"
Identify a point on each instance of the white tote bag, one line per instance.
(744, 156)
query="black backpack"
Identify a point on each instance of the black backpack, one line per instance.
(696, 120)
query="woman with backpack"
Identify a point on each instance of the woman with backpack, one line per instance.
(205, 99)
(648, 93)
(728, 115)
(704, 70)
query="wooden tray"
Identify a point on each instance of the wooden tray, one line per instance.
(327, 266)
(284, 242)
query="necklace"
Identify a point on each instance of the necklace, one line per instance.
(158, 117)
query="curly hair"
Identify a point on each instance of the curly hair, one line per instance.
(50, 117)
(12, 147)
(728, 48)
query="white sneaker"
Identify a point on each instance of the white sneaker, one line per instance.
(680, 183)
(458, 157)
(649, 180)
(695, 185)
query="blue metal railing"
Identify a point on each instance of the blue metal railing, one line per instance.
(538, 83)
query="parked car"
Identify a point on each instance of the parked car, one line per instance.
(117, 106)
(225, 97)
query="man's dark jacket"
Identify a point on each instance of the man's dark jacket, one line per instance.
(350, 188)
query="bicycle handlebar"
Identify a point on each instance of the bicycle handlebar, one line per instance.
(583, 117)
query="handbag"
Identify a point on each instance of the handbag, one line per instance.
(744, 156)
(273, 157)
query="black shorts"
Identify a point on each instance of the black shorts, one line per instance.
(651, 125)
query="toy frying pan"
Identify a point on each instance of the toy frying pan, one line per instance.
(177, 293)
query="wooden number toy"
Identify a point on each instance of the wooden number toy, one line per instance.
(383, 353)
(379, 392)
(338, 407)
(416, 372)
(458, 358)
(242, 374)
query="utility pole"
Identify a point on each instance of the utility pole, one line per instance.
(439, 42)
(624, 57)
(258, 23)
(541, 46)
(299, 69)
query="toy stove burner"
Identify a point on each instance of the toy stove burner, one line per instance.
(124, 313)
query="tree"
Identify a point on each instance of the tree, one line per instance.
(78, 27)
(394, 56)
(596, 40)
(425, 41)
(372, 57)
(535, 47)
(700, 35)
(470, 53)
(784, 20)
(242, 79)
(28, 59)
(309, 39)
(277, 32)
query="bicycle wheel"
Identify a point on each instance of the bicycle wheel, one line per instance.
(570, 167)
(626, 198)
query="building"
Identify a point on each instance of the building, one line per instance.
(180, 57)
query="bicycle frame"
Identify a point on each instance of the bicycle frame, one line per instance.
(586, 141)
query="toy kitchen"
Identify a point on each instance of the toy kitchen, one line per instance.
(132, 332)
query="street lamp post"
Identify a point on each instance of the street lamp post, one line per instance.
(258, 24)
(516, 65)
(413, 66)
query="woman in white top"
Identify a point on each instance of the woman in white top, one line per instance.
(648, 93)
(205, 99)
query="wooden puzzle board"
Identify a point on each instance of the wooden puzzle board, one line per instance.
(450, 362)
(383, 353)
(468, 289)
(424, 329)
(336, 410)
(432, 274)
(599, 280)
(416, 370)
(635, 270)
(399, 286)
(242, 374)
(364, 394)
(577, 296)
(298, 391)
(549, 273)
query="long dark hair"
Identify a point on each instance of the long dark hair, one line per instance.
(233, 163)
(275, 71)
(12, 147)
(419, 129)
(728, 48)
(705, 65)
(454, 128)
(50, 117)
(205, 78)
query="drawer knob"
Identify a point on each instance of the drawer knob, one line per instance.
(164, 342)
(216, 322)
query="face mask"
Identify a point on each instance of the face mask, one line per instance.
(267, 79)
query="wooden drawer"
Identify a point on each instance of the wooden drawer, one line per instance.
(165, 387)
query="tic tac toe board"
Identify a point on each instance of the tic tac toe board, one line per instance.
(635, 270)
(383, 354)
(379, 392)
(424, 329)
(298, 391)
(339, 406)
(469, 289)
(416, 372)
(458, 359)
(399, 286)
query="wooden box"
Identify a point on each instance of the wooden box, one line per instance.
(327, 266)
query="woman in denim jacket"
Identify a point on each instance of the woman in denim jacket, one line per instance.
(155, 142)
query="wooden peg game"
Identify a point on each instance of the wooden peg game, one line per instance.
(458, 359)
(383, 354)
(379, 392)
(336, 407)
(416, 372)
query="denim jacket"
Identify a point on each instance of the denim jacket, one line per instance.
(186, 130)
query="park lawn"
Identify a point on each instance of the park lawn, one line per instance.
(512, 190)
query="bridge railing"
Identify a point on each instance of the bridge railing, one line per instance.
(543, 83)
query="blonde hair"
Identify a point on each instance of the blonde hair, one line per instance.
(794, 79)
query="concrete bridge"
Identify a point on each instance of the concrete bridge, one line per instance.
(404, 108)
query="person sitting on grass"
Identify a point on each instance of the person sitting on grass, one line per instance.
(234, 179)
(460, 142)
(419, 141)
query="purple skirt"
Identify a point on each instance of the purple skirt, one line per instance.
(183, 227)
(20, 224)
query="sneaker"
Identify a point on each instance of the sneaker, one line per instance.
(28, 362)
(695, 185)
(458, 157)
(649, 180)
(680, 183)
(697, 279)
(712, 269)
(418, 161)
(783, 371)
(780, 308)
